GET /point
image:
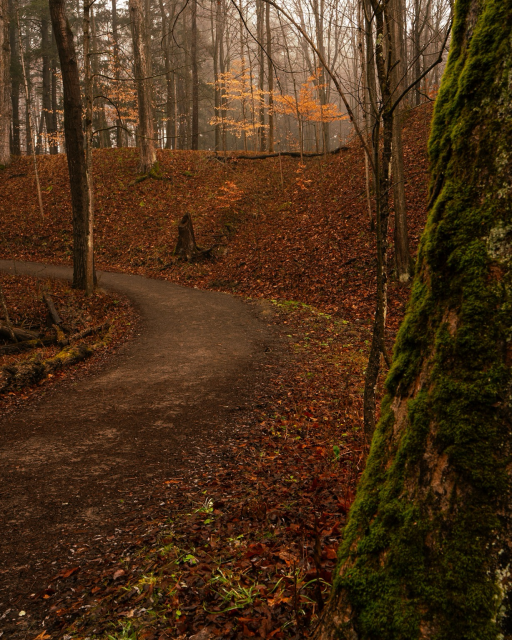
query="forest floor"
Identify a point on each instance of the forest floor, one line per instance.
(88, 325)
(245, 546)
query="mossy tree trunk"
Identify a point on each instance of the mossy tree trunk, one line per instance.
(427, 550)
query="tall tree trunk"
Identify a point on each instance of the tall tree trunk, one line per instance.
(101, 124)
(195, 79)
(318, 12)
(187, 89)
(83, 261)
(28, 109)
(170, 124)
(426, 550)
(5, 85)
(54, 144)
(382, 157)
(29, 133)
(144, 82)
(260, 28)
(416, 48)
(15, 81)
(366, 110)
(215, 28)
(270, 81)
(40, 130)
(119, 130)
(401, 235)
(371, 82)
(89, 103)
(47, 114)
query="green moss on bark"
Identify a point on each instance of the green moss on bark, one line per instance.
(427, 549)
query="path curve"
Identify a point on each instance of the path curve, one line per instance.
(66, 459)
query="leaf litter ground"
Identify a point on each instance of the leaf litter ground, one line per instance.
(247, 547)
(79, 313)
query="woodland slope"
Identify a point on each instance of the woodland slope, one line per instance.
(282, 229)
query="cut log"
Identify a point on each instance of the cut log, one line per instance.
(186, 247)
(52, 311)
(20, 334)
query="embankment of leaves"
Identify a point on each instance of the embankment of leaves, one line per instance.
(281, 229)
(90, 324)
(248, 545)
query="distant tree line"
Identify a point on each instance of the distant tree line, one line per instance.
(229, 74)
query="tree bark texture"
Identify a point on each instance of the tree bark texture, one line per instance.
(186, 247)
(382, 157)
(54, 145)
(83, 276)
(89, 107)
(427, 549)
(115, 38)
(5, 85)
(15, 82)
(170, 123)
(401, 234)
(195, 79)
(47, 113)
(270, 81)
(142, 67)
(260, 17)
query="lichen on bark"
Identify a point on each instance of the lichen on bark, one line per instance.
(428, 545)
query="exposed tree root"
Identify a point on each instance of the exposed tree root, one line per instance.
(154, 173)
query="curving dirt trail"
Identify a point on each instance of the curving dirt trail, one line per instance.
(72, 462)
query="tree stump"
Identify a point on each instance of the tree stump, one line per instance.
(186, 247)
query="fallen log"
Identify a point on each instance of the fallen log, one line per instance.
(89, 332)
(60, 339)
(35, 369)
(289, 154)
(20, 334)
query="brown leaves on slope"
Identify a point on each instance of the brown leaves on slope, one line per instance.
(308, 241)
